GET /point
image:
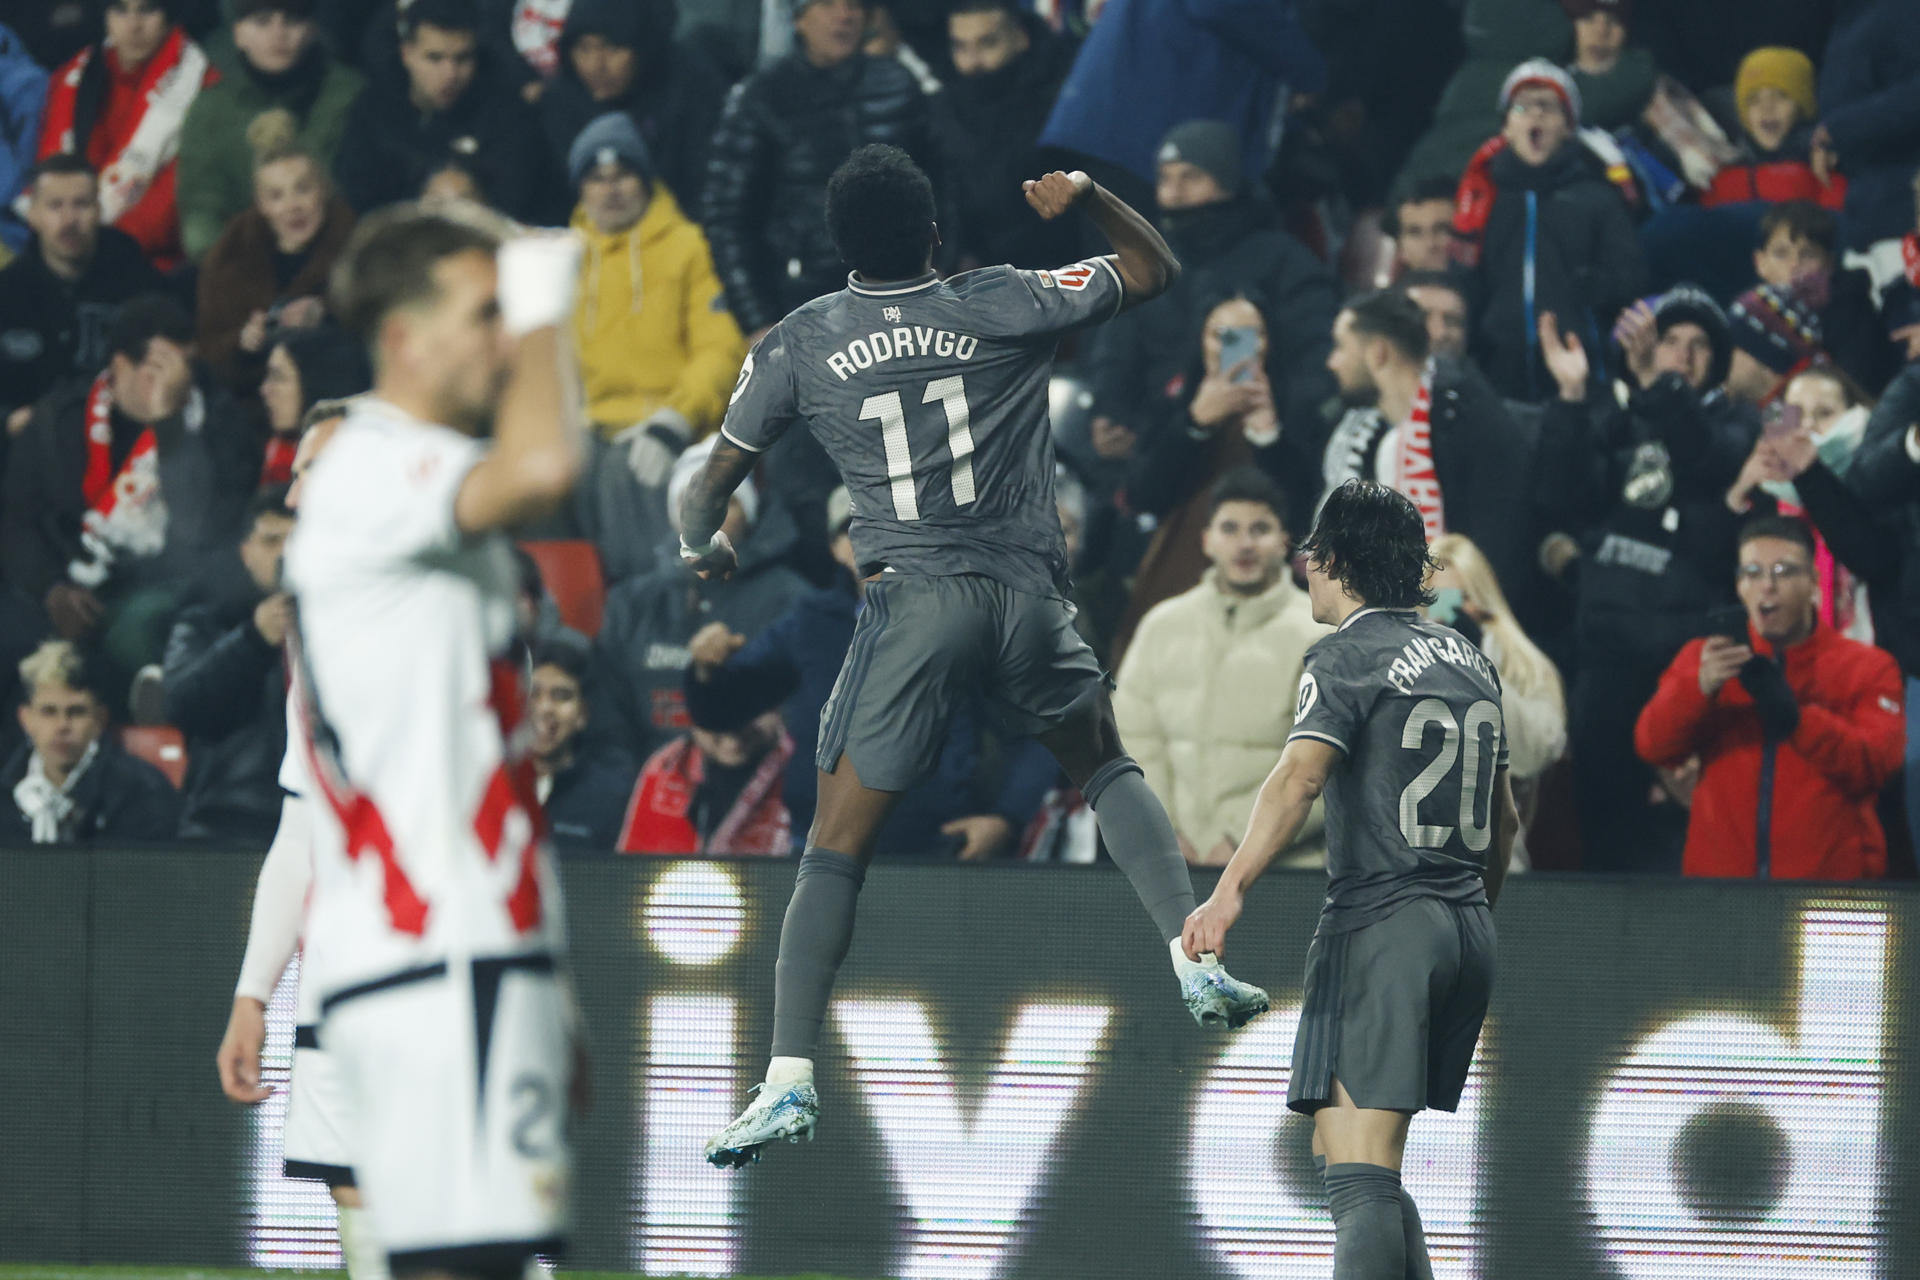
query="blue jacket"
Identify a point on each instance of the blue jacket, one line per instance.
(23, 96)
(1870, 104)
(1149, 65)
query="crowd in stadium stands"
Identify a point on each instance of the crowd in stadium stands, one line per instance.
(1626, 299)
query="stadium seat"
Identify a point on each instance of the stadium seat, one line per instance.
(570, 567)
(160, 745)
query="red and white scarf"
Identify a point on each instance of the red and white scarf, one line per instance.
(1910, 257)
(125, 514)
(537, 25)
(169, 83)
(658, 818)
(1413, 471)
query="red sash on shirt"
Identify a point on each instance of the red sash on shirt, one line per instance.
(1413, 473)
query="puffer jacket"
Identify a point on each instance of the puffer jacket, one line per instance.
(1797, 809)
(652, 322)
(784, 131)
(1205, 699)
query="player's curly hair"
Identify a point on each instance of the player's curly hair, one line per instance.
(1371, 540)
(880, 213)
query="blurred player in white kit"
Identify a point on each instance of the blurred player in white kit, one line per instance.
(434, 936)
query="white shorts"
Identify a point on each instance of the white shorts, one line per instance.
(459, 1075)
(315, 1139)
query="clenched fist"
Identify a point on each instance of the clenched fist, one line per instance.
(1056, 193)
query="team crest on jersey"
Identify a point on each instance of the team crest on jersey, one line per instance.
(1309, 694)
(892, 314)
(1076, 277)
(1046, 279)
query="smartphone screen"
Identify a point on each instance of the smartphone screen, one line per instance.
(1782, 420)
(1239, 345)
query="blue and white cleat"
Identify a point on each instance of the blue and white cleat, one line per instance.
(789, 1113)
(1216, 998)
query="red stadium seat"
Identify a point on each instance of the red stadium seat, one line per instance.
(570, 568)
(161, 746)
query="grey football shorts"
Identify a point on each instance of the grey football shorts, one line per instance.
(1393, 1009)
(923, 646)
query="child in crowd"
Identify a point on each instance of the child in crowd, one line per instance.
(1774, 96)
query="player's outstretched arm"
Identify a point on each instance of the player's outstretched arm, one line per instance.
(539, 440)
(1506, 815)
(1146, 264)
(702, 546)
(1280, 810)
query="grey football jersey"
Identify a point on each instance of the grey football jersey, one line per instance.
(931, 399)
(1415, 708)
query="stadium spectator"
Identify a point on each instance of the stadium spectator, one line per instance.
(1640, 488)
(1798, 247)
(658, 349)
(1868, 511)
(58, 298)
(785, 129)
(448, 102)
(1775, 335)
(1901, 298)
(23, 98)
(1442, 298)
(717, 789)
(1224, 231)
(305, 367)
(119, 484)
(1797, 728)
(1431, 429)
(280, 63)
(650, 619)
(583, 792)
(1218, 415)
(225, 683)
(1544, 231)
(1421, 225)
(620, 55)
(122, 104)
(1499, 35)
(1869, 95)
(1147, 65)
(267, 274)
(1774, 97)
(1204, 696)
(1008, 68)
(1614, 78)
(1533, 702)
(71, 783)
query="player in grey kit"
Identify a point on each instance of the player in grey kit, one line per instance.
(1399, 723)
(930, 396)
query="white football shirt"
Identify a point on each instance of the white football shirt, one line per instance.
(424, 828)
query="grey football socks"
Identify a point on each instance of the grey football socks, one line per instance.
(1369, 1240)
(1140, 838)
(813, 941)
(1419, 1266)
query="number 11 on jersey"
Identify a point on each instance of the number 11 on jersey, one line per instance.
(951, 393)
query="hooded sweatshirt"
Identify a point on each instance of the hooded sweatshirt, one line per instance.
(652, 322)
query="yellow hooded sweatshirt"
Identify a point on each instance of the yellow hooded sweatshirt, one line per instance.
(652, 324)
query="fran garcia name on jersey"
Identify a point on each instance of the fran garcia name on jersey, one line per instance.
(883, 345)
(1422, 652)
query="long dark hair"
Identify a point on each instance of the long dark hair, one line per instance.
(1371, 540)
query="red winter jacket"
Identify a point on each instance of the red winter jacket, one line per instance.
(1775, 183)
(1816, 800)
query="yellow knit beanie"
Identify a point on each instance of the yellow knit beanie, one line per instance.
(1788, 70)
